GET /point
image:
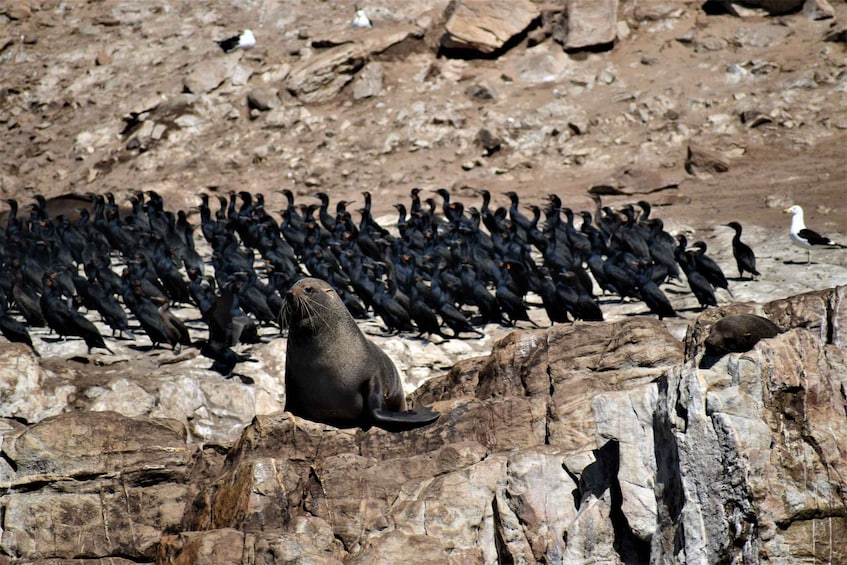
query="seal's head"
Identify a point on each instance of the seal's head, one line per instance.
(307, 304)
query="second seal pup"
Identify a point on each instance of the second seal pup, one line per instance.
(739, 333)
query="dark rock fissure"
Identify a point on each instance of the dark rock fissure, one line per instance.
(811, 514)
(830, 319)
(550, 407)
(630, 548)
(666, 451)
(9, 460)
(503, 555)
(738, 510)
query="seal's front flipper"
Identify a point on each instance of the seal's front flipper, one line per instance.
(400, 421)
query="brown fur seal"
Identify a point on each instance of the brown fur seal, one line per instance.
(333, 373)
(739, 333)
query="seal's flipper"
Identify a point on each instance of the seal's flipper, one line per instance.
(407, 420)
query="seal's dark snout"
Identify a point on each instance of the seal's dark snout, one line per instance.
(294, 293)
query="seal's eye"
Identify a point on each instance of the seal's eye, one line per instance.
(308, 290)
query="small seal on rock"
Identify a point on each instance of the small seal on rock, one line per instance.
(333, 373)
(739, 333)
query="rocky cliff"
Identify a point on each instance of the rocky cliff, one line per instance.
(608, 442)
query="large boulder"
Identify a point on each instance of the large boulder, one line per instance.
(322, 76)
(486, 26)
(92, 484)
(589, 23)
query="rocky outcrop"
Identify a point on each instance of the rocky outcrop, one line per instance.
(770, 6)
(485, 27)
(340, 59)
(589, 23)
(91, 484)
(610, 442)
(320, 78)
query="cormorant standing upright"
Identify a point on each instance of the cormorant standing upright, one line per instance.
(745, 259)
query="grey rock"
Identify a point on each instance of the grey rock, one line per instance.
(285, 117)
(705, 159)
(480, 92)
(263, 99)
(589, 23)
(818, 10)
(489, 142)
(656, 11)
(208, 75)
(600, 440)
(21, 379)
(368, 82)
(17, 11)
(322, 77)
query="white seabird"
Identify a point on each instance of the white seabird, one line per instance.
(360, 19)
(245, 40)
(803, 236)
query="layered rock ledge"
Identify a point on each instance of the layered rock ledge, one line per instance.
(595, 442)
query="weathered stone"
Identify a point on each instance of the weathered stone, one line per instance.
(285, 117)
(417, 549)
(308, 539)
(368, 82)
(739, 424)
(17, 11)
(539, 492)
(376, 41)
(590, 23)
(103, 59)
(251, 498)
(703, 159)
(634, 180)
(489, 142)
(323, 76)
(124, 397)
(588, 534)
(656, 10)
(202, 548)
(208, 75)
(818, 9)
(626, 417)
(837, 33)
(480, 92)
(263, 99)
(94, 444)
(486, 26)
(133, 471)
(27, 390)
(119, 518)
